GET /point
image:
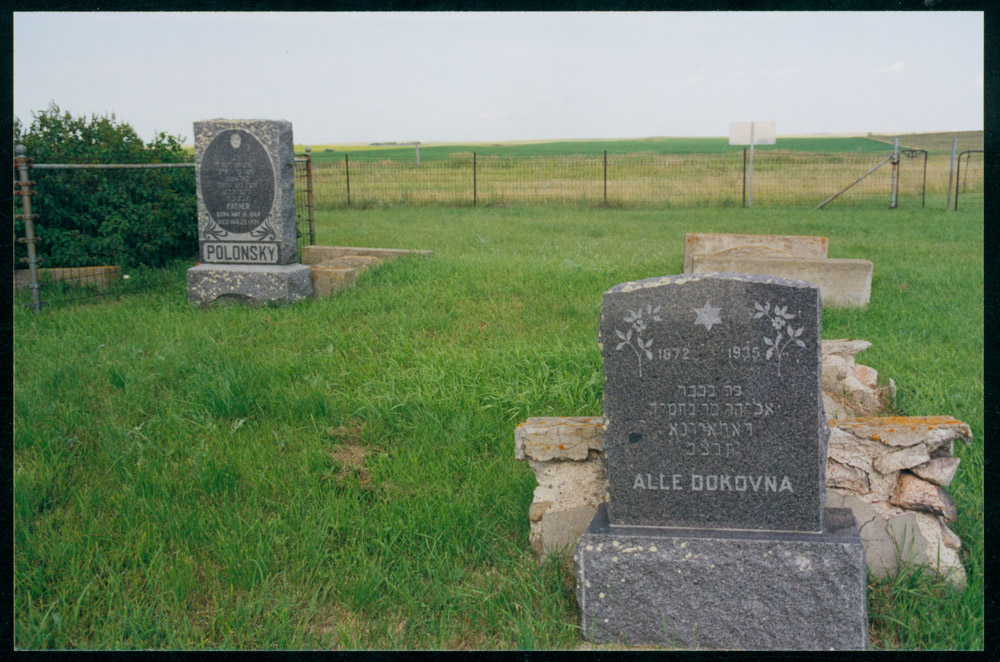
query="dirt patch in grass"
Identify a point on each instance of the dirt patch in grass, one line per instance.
(339, 627)
(349, 432)
(351, 461)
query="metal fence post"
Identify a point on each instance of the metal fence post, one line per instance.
(474, 185)
(605, 177)
(951, 171)
(347, 173)
(894, 179)
(744, 176)
(309, 195)
(24, 190)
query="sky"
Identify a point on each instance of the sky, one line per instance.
(453, 77)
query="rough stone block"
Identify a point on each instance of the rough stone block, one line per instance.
(697, 588)
(842, 282)
(711, 243)
(892, 536)
(939, 471)
(904, 458)
(247, 283)
(914, 493)
(558, 438)
(898, 431)
(846, 476)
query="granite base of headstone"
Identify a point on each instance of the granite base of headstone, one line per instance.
(249, 283)
(715, 534)
(244, 171)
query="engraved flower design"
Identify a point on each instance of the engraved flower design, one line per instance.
(780, 319)
(265, 231)
(213, 231)
(638, 323)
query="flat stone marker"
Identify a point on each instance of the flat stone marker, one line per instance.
(715, 533)
(246, 214)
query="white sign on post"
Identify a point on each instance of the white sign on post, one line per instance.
(751, 133)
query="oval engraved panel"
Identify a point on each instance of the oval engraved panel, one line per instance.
(237, 181)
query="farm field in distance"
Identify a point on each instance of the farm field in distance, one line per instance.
(933, 142)
(340, 473)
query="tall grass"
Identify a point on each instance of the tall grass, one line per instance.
(339, 473)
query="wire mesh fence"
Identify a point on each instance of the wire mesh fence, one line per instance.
(464, 178)
(65, 269)
(624, 180)
(970, 180)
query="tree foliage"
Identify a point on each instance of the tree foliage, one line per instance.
(107, 217)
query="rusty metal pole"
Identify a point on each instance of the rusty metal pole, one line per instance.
(347, 173)
(309, 195)
(474, 186)
(23, 163)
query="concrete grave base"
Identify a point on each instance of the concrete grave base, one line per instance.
(248, 283)
(842, 282)
(719, 589)
(336, 268)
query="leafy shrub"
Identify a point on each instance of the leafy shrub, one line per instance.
(106, 217)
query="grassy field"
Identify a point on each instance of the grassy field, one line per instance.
(936, 142)
(339, 474)
(780, 178)
(434, 152)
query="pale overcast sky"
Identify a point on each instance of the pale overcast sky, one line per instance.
(366, 77)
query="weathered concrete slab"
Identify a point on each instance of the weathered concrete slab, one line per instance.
(327, 280)
(318, 254)
(842, 282)
(359, 262)
(721, 244)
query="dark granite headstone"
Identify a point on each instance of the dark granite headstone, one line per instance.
(713, 403)
(244, 171)
(715, 533)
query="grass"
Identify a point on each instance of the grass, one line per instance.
(936, 142)
(437, 152)
(339, 474)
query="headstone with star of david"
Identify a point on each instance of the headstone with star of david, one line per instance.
(713, 403)
(714, 534)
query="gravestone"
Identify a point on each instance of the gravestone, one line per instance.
(715, 533)
(244, 171)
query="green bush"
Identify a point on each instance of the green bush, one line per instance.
(106, 217)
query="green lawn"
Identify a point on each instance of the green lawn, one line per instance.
(340, 473)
